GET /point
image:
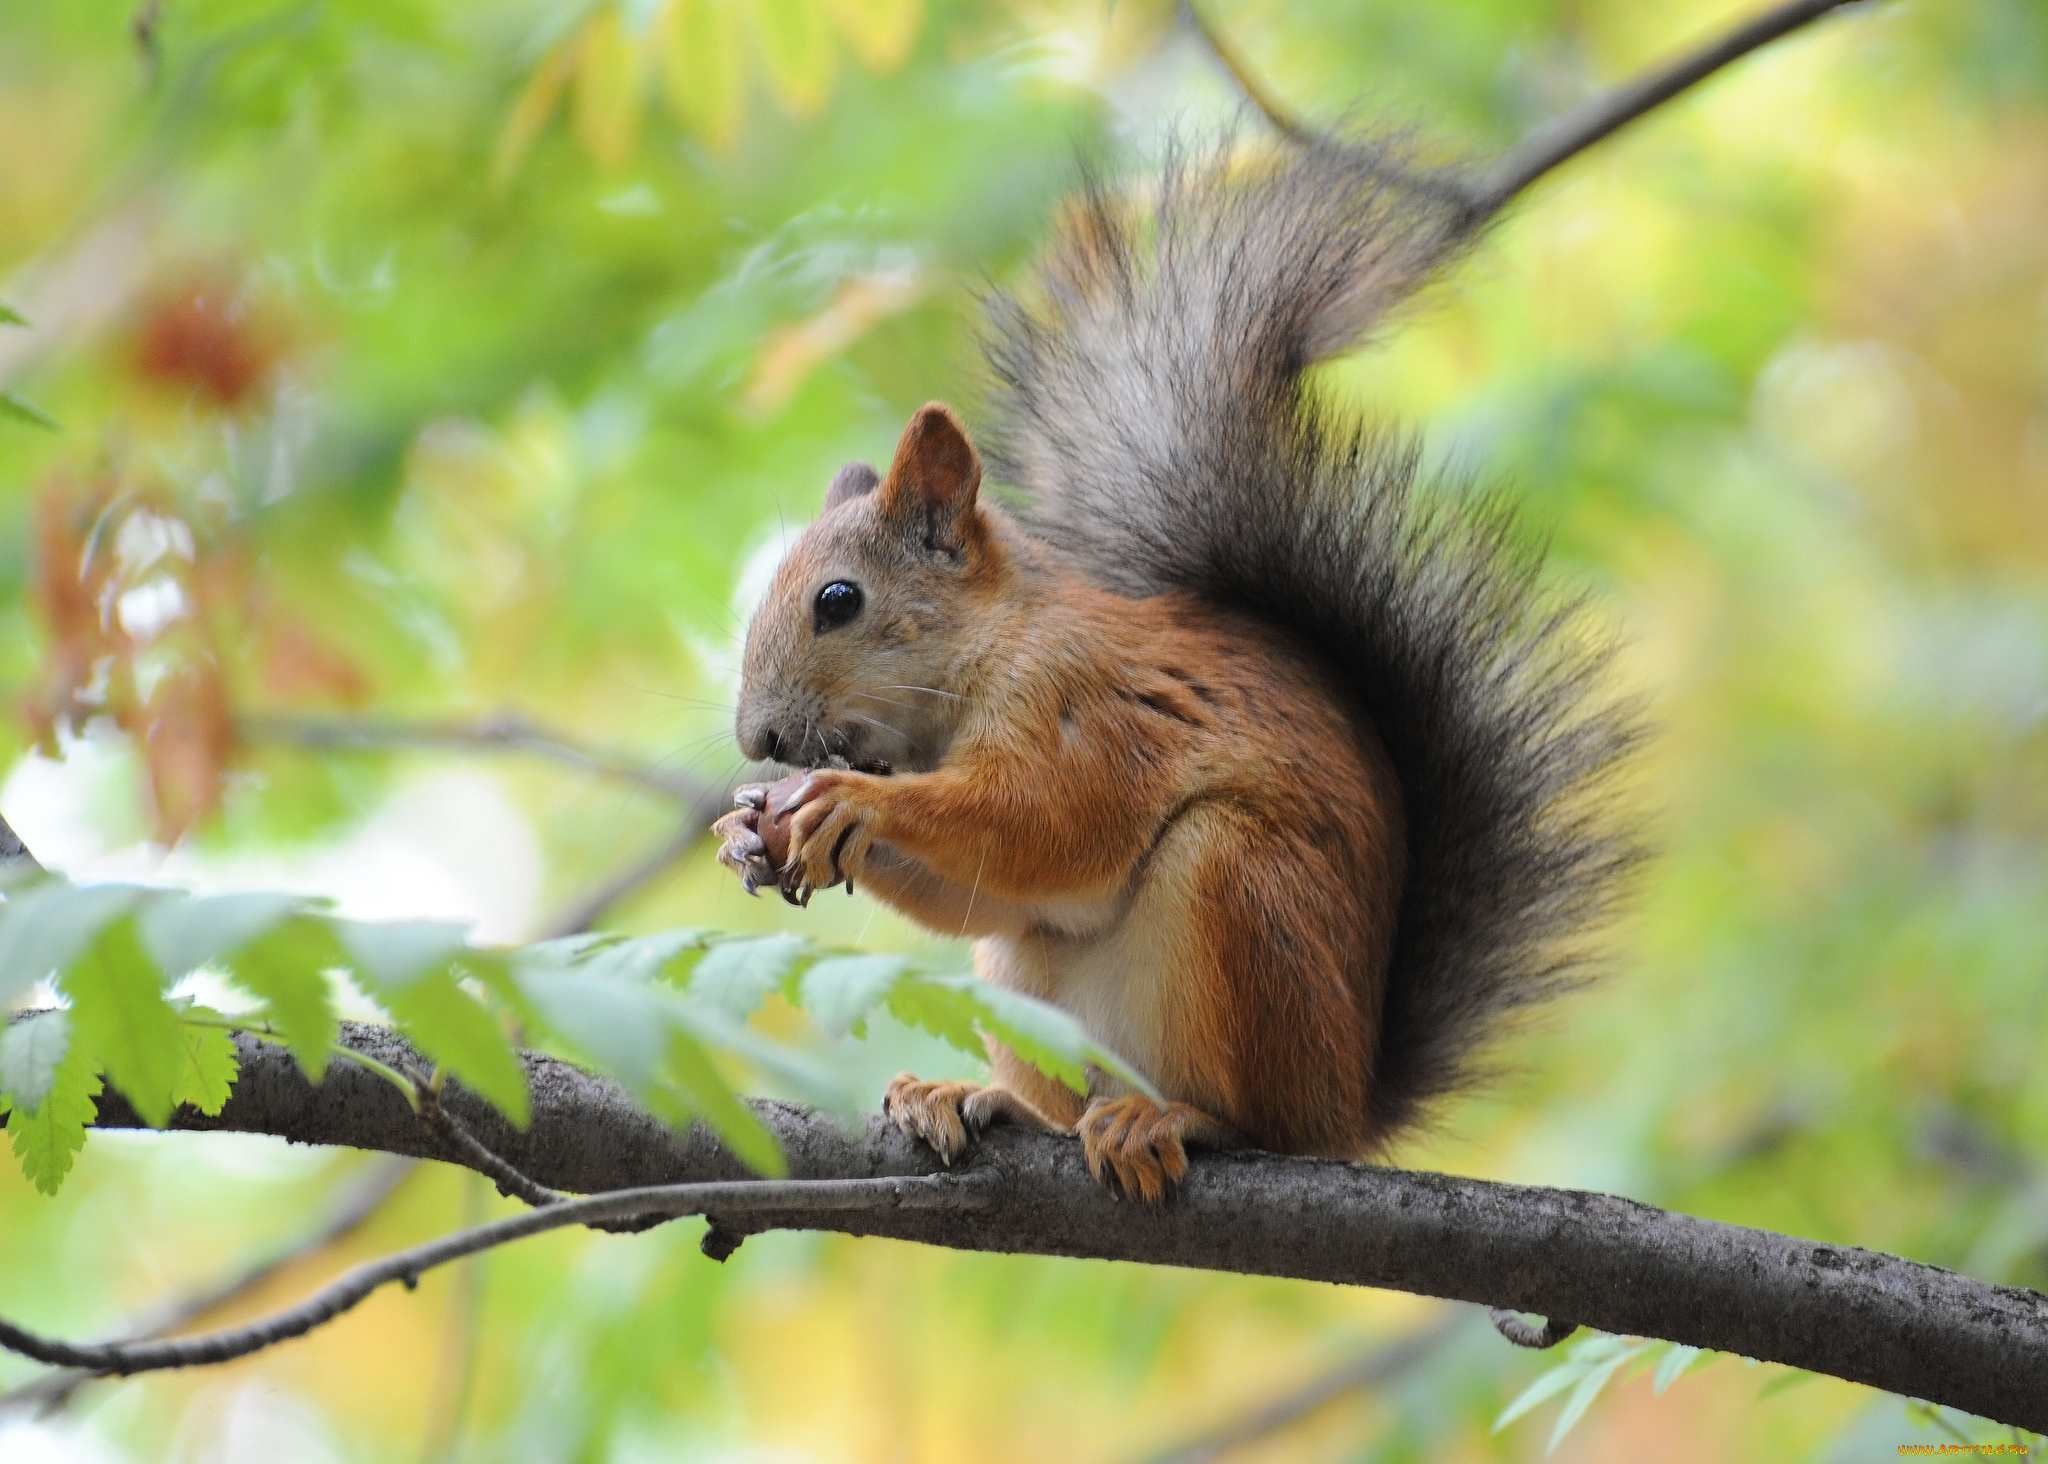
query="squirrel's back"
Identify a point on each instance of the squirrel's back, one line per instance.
(1149, 401)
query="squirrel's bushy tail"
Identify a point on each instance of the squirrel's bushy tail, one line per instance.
(1149, 402)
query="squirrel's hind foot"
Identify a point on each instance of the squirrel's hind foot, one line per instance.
(1138, 1148)
(950, 1116)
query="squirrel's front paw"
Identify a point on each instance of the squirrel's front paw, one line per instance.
(741, 846)
(831, 828)
(946, 1116)
(1138, 1148)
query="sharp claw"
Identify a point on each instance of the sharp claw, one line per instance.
(755, 798)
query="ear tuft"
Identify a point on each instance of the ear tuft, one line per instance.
(855, 480)
(934, 475)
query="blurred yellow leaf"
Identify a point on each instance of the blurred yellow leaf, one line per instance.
(880, 32)
(531, 112)
(606, 111)
(793, 352)
(798, 53)
(703, 66)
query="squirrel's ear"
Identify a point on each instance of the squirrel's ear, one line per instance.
(853, 481)
(933, 479)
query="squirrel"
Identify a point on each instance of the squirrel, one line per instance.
(1271, 763)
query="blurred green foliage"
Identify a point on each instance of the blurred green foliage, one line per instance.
(448, 357)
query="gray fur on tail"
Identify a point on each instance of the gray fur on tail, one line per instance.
(1149, 402)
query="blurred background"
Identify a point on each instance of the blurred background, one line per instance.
(427, 386)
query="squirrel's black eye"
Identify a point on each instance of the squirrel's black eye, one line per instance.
(837, 603)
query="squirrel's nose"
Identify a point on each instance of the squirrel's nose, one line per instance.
(759, 739)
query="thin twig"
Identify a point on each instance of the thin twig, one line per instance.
(794, 1197)
(510, 732)
(499, 732)
(1558, 142)
(473, 1154)
(361, 1197)
(1381, 1365)
(585, 910)
(1254, 92)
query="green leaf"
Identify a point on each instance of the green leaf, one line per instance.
(959, 1008)
(1671, 1367)
(14, 408)
(736, 975)
(31, 1049)
(1582, 1398)
(49, 1138)
(120, 1016)
(186, 934)
(463, 1036)
(1555, 1381)
(44, 927)
(654, 1042)
(617, 1024)
(10, 316)
(287, 968)
(210, 1066)
(712, 1097)
(840, 991)
(389, 955)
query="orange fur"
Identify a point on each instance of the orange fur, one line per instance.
(1158, 815)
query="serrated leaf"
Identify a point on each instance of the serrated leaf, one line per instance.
(45, 927)
(712, 1098)
(48, 1140)
(735, 976)
(1555, 1381)
(840, 991)
(210, 1066)
(184, 935)
(1581, 1399)
(13, 407)
(31, 1049)
(1671, 1367)
(119, 1015)
(286, 968)
(643, 958)
(462, 1035)
(390, 954)
(10, 316)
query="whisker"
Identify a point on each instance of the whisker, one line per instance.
(928, 690)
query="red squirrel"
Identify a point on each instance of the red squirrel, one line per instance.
(1266, 760)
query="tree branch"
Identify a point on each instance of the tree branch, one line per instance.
(1611, 1263)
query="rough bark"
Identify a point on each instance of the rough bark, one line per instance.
(1608, 1262)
